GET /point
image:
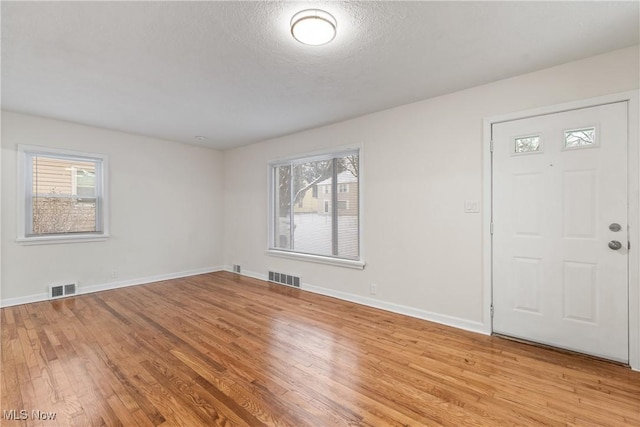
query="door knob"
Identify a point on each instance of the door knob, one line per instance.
(615, 245)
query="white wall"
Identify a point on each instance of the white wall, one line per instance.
(165, 211)
(179, 209)
(421, 162)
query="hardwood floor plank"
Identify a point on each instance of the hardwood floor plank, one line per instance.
(132, 385)
(242, 395)
(221, 349)
(10, 395)
(172, 338)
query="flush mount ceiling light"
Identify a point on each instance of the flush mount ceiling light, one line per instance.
(314, 27)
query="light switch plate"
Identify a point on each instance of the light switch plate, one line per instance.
(471, 206)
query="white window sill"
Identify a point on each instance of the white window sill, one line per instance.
(358, 265)
(54, 240)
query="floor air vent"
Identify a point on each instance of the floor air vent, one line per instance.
(59, 291)
(284, 279)
(236, 268)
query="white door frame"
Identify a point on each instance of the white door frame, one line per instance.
(633, 168)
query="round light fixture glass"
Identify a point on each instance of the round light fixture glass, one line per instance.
(314, 27)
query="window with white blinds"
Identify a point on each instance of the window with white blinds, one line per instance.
(315, 203)
(63, 195)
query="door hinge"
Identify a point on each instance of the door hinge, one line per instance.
(491, 146)
(628, 245)
(492, 311)
(491, 228)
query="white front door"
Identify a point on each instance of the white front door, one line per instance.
(559, 209)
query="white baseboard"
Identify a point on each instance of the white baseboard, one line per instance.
(251, 274)
(443, 319)
(8, 302)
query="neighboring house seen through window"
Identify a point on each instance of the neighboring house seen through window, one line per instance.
(315, 206)
(63, 195)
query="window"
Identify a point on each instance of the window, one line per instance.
(83, 182)
(527, 144)
(63, 195)
(326, 227)
(580, 137)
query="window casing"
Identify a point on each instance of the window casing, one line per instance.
(62, 196)
(328, 228)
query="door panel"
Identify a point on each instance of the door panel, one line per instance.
(559, 182)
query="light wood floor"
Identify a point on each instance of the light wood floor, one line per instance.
(218, 349)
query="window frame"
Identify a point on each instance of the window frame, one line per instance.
(25, 196)
(358, 263)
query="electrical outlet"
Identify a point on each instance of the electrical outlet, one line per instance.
(114, 274)
(374, 289)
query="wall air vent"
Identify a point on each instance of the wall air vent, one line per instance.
(64, 290)
(284, 279)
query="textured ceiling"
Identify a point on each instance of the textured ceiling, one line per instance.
(231, 71)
